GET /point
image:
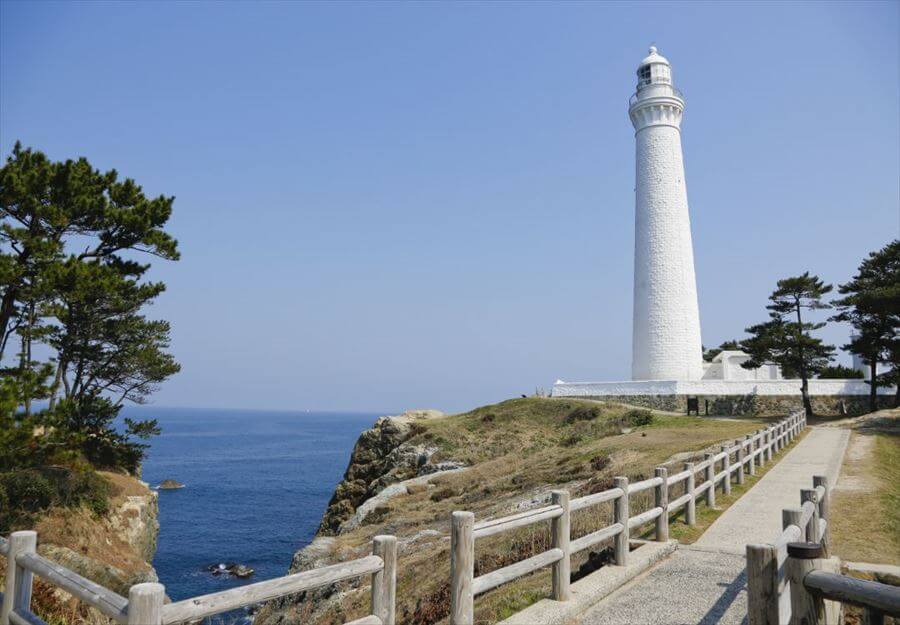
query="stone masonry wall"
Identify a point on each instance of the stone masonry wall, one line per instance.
(754, 405)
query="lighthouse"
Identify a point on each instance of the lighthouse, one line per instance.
(666, 325)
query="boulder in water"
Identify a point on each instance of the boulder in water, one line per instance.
(170, 485)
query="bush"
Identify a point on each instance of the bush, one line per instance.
(637, 418)
(82, 486)
(27, 490)
(840, 372)
(584, 413)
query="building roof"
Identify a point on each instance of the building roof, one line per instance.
(654, 57)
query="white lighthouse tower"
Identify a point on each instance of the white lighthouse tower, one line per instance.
(666, 340)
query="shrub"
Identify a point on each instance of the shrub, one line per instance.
(583, 413)
(637, 418)
(27, 490)
(840, 372)
(84, 487)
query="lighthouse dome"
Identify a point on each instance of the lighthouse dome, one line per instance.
(654, 57)
(654, 70)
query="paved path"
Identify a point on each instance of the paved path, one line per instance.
(705, 583)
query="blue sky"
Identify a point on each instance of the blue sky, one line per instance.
(388, 206)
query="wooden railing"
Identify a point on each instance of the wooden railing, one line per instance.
(793, 581)
(753, 451)
(146, 605)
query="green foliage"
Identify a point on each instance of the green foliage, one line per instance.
(638, 418)
(709, 354)
(871, 304)
(840, 372)
(28, 492)
(71, 240)
(786, 338)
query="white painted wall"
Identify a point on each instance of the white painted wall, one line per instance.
(666, 326)
(713, 387)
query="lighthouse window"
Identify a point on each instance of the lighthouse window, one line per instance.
(644, 72)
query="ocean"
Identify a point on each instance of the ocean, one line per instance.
(256, 484)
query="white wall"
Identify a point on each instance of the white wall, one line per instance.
(714, 387)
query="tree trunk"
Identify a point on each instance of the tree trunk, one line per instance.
(6, 309)
(873, 385)
(57, 380)
(804, 386)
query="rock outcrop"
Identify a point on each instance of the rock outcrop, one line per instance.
(115, 549)
(380, 458)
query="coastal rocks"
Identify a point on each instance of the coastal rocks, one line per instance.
(378, 501)
(379, 459)
(170, 485)
(235, 570)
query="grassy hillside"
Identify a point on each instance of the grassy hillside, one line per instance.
(517, 451)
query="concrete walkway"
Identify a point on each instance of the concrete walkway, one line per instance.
(705, 583)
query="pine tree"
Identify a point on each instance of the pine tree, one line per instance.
(786, 338)
(871, 304)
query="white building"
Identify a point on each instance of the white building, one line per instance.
(666, 328)
(727, 365)
(667, 361)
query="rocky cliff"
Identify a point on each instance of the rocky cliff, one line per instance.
(381, 457)
(114, 550)
(407, 473)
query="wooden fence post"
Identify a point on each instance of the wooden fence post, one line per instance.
(462, 568)
(751, 463)
(17, 593)
(811, 531)
(762, 585)
(740, 459)
(711, 478)
(145, 604)
(662, 500)
(726, 466)
(384, 581)
(559, 531)
(768, 445)
(789, 516)
(620, 515)
(824, 505)
(690, 508)
(809, 608)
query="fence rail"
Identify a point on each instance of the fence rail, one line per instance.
(749, 453)
(145, 603)
(793, 581)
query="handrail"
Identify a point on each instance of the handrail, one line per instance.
(145, 603)
(495, 526)
(861, 592)
(217, 602)
(797, 563)
(760, 448)
(106, 601)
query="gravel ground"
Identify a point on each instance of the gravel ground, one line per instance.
(705, 584)
(690, 587)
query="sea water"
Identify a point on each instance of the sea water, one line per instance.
(256, 485)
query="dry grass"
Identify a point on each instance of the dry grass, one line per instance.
(518, 450)
(865, 516)
(96, 538)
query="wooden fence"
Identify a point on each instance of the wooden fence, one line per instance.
(793, 581)
(146, 605)
(732, 462)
